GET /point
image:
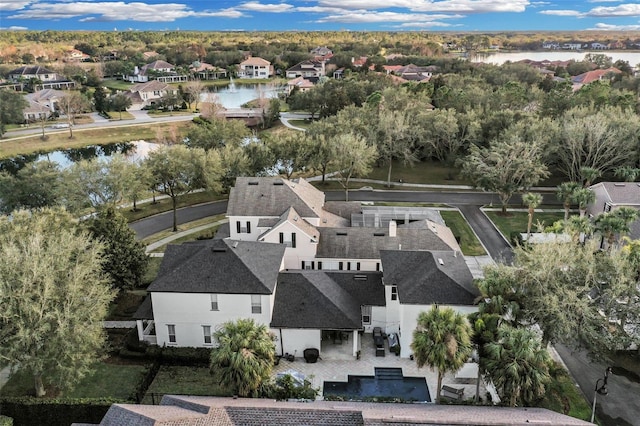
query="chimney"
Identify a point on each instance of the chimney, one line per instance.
(392, 228)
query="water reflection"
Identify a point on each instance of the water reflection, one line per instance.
(234, 96)
(135, 150)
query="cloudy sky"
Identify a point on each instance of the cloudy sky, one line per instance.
(356, 15)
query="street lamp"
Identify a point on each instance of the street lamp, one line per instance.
(600, 389)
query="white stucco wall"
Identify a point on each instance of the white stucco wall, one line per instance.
(305, 248)
(334, 264)
(245, 236)
(292, 340)
(190, 311)
(378, 319)
(409, 320)
(392, 312)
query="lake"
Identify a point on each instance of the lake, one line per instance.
(234, 96)
(633, 58)
(135, 151)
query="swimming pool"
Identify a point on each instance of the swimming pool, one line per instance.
(386, 383)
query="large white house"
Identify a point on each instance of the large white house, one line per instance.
(254, 67)
(317, 273)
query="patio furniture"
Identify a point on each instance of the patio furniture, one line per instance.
(455, 394)
(311, 355)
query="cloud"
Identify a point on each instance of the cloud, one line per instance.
(118, 11)
(561, 12)
(452, 6)
(362, 16)
(255, 6)
(610, 27)
(613, 11)
(13, 5)
(14, 28)
(425, 25)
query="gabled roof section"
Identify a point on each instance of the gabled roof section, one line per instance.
(292, 216)
(316, 299)
(149, 86)
(429, 277)
(31, 70)
(255, 61)
(220, 266)
(158, 65)
(621, 193)
(45, 95)
(366, 243)
(268, 196)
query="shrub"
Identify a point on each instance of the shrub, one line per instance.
(55, 412)
(6, 421)
(515, 238)
(286, 387)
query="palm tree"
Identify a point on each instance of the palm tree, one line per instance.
(517, 364)
(627, 173)
(588, 175)
(583, 197)
(532, 201)
(578, 228)
(615, 223)
(565, 193)
(244, 357)
(442, 341)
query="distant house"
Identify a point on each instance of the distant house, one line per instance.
(254, 67)
(572, 46)
(613, 195)
(75, 55)
(552, 45)
(158, 70)
(359, 62)
(599, 46)
(306, 69)
(322, 53)
(150, 55)
(413, 72)
(146, 94)
(313, 271)
(204, 71)
(591, 76)
(301, 83)
(48, 79)
(42, 104)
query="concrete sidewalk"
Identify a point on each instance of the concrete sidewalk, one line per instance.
(178, 235)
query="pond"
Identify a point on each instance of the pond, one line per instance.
(134, 150)
(234, 96)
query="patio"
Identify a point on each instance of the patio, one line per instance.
(337, 363)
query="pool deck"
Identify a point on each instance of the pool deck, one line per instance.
(336, 365)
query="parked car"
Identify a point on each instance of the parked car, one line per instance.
(61, 126)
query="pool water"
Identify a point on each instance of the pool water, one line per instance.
(386, 383)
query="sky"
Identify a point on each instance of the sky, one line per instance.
(319, 15)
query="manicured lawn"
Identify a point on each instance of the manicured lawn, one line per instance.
(424, 172)
(563, 396)
(181, 380)
(83, 137)
(109, 380)
(116, 84)
(517, 221)
(303, 124)
(468, 242)
(152, 271)
(164, 205)
(117, 115)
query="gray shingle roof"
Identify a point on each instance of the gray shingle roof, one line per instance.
(255, 411)
(366, 243)
(319, 299)
(145, 310)
(292, 216)
(621, 193)
(267, 196)
(219, 266)
(423, 280)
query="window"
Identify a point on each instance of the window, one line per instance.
(238, 227)
(214, 302)
(366, 315)
(248, 227)
(378, 266)
(340, 266)
(172, 333)
(256, 304)
(348, 266)
(394, 292)
(293, 239)
(282, 238)
(358, 266)
(319, 265)
(206, 331)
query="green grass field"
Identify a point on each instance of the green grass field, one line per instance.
(517, 221)
(468, 242)
(108, 380)
(563, 396)
(181, 380)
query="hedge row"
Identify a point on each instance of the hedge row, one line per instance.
(31, 411)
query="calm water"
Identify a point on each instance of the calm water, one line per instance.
(233, 96)
(135, 151)
(633, 58)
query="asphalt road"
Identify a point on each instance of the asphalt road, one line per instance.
(493, 241)
(163, 221)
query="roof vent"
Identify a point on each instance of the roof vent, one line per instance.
(360, 277)
(378, 234)
(219, 249)
(278, 183)
(440, 261)
(254, 183)
(341, 233)
(235, 244)
(295, 218)
(618, 184)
